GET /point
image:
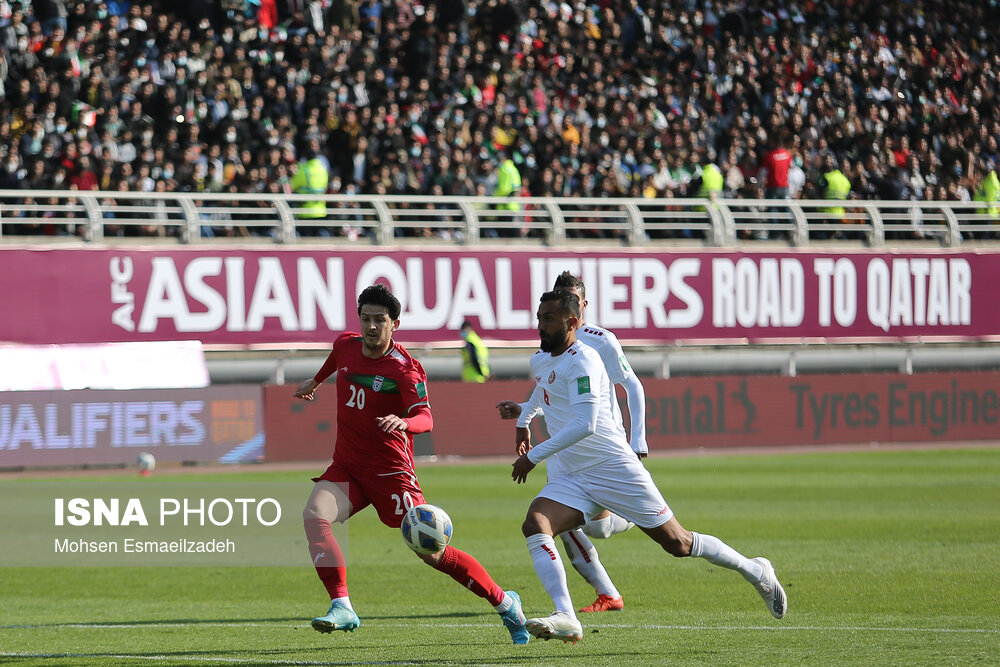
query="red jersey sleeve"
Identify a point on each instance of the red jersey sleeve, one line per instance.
(413, 390)
(420, 420)
(329, 366)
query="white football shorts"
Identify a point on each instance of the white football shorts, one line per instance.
(625, 488)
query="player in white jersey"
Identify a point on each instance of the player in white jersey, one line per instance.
(581, 551)
(597, 470)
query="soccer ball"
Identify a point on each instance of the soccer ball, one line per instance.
(426, 529)
(146, 463)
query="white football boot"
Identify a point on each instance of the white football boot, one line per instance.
(771, 590)
(557, 625)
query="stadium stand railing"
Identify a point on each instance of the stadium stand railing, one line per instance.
(191, 217)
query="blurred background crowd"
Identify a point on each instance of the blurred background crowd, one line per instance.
(604, 98)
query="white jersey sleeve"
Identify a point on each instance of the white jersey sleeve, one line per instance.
(606, 344)
(530, 408)
(620, 372)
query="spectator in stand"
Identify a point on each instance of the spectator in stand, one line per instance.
(597, 98)
(774, 170)
(989, 189)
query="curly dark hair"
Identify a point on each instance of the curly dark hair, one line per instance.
(379, 295)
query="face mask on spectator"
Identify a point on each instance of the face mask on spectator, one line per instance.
(168, 173)
(231, 136)
(140, 61)
(61, 127)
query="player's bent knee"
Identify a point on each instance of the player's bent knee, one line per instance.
(533, 524)
(677, 543)
(310, 512)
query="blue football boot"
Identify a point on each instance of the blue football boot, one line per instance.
(339, 618)
(513, 620)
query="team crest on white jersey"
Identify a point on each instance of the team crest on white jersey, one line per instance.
(552, 377)
(377, 383)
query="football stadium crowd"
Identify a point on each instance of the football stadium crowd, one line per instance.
(602, 99)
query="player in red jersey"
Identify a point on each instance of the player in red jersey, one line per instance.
(381, 402)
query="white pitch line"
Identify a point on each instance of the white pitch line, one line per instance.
(375, 623)
(187, 658)
(147, 624)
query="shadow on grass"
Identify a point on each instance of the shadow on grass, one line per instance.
(263, 658)
(232, 621)
(151, 623)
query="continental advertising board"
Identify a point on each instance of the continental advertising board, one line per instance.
(289, 296)
(694, 412)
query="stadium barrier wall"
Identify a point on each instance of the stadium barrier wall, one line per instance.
(250, 423)
(110, 428)
(691, 412)
(120, 217)
(286, 297)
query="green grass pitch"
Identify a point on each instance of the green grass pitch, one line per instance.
(888, 558)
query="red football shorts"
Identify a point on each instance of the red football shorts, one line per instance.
(391, 493)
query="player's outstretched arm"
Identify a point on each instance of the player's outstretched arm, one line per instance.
(509, 409)
(419, 421)
(636, 397)
(307, 390)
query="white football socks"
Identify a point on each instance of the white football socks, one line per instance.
(505, 604)
(549, 568)
(346, 601)
(719, 553)
(583, 556)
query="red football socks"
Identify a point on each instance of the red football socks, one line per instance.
(467, 571)
(327, 557)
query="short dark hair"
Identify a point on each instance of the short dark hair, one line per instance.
(567, 279)
(379, 295)
(568, 302)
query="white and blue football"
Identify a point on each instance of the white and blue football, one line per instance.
(426, 529)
